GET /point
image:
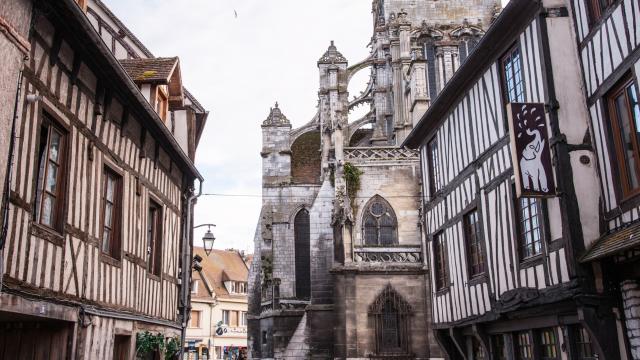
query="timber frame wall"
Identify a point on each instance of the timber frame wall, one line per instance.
(106, 124)
(469, 121)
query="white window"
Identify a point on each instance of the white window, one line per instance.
(225, 317)
(194, 286)
(243, 318)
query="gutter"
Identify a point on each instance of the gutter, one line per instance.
(185, 275)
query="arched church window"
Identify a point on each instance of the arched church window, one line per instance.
(391, 317)
(379, 225)
(302, 233)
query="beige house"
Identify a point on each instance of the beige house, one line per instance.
(218, 325)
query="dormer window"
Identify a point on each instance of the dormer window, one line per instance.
(236, 287)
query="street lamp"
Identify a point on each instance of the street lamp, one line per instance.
(208, 238)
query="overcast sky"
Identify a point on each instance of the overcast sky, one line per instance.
(237, 67)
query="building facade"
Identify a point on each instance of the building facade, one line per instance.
(508, 239)
(98, 224)
(340, 267)
(607, 39)
(218, 323)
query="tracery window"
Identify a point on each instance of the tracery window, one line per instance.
(391, 315)
(302, 234)
(380, 226)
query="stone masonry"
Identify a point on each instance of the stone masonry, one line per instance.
(631, 303)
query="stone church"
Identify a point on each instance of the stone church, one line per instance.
(341, 269)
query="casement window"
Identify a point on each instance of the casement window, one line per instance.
(513, 82)
(530, 234)
(225, 317)
(524, 346)
(473, 239)
(624, 116)
(435, 182)
(194, 321)
(194, 286)
(583, 347)
(302, 248)
(440, 262)
(111, 212)
(154, 238)
(380, 226)
(596, 8)
(548, 344)
(50, 189)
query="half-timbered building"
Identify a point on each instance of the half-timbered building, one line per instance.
(504, 237)
(607, 40)
(100, 195)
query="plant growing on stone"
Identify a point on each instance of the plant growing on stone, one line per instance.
(352, 177)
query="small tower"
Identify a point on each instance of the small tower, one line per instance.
(276, 151)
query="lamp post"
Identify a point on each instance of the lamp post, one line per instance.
(208, 238)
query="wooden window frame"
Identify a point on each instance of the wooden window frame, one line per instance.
(578, 343)
(115, 241)
(162, 102)
(541, 214)
(441, 263)
(58, 211)
(154, 241)
(625, 192)
(597, 9)
(434, 171)
(518, 347)
(504, 81)
(474, 241)
(541, 343)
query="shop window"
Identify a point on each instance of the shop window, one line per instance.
(583, 346)
(548, 344)
(524, 346)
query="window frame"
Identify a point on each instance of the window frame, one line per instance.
(49, 122)
(154, 245)
(479, 244)
(441, 262)
(434, 180)
(503, 75)
(623, 188)
(191, 317)
(518, 347)
(541, 214)
(541, 344)
(226, 317)
(597, 9)
(115, 243)
(162, 102)
(390, 213)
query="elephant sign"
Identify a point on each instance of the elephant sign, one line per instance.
(530, 151)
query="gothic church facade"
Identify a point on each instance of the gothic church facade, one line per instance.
(341, 269)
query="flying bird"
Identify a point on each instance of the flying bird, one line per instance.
(235, 13)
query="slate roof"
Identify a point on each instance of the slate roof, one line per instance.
(613, 243)
(219, 266)
(153, 70)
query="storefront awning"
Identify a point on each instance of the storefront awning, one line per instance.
(613, 243)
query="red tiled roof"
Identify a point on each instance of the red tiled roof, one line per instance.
(219, 266)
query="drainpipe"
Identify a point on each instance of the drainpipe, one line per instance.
(7, 180)
(186, 268)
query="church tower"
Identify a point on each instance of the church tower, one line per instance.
(339, 247)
